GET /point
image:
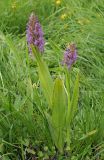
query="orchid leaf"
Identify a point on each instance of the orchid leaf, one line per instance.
(74, 101)
(59, 107)
(44, 76)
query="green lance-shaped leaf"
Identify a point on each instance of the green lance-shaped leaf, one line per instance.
(30, 97)
(67, 78)
(74, 101)
(44, 76)
(50, 125)
(59, 107)
(72, 105)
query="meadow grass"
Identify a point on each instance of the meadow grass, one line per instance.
(70, 21)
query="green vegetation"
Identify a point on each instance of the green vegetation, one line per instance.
(24, 133)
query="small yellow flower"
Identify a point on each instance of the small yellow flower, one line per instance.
(86, 21)
(58, 2)
(63, 16)
(83, 21)
(80, 22)
(35, 85)
(14, 5)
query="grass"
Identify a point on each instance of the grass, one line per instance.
(19, 91)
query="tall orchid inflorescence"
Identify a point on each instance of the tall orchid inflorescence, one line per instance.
(34, 34)
(70, 55)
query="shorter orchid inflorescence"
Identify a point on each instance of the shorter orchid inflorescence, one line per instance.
(70, 55)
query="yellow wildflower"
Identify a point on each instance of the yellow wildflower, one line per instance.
(35, 85)
(86, 21)
(80, 22)
(58, 2)
(14, 5)
(63, 16)
(83, 21)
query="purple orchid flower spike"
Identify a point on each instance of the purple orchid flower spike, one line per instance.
(34, 34)
(70, 55)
